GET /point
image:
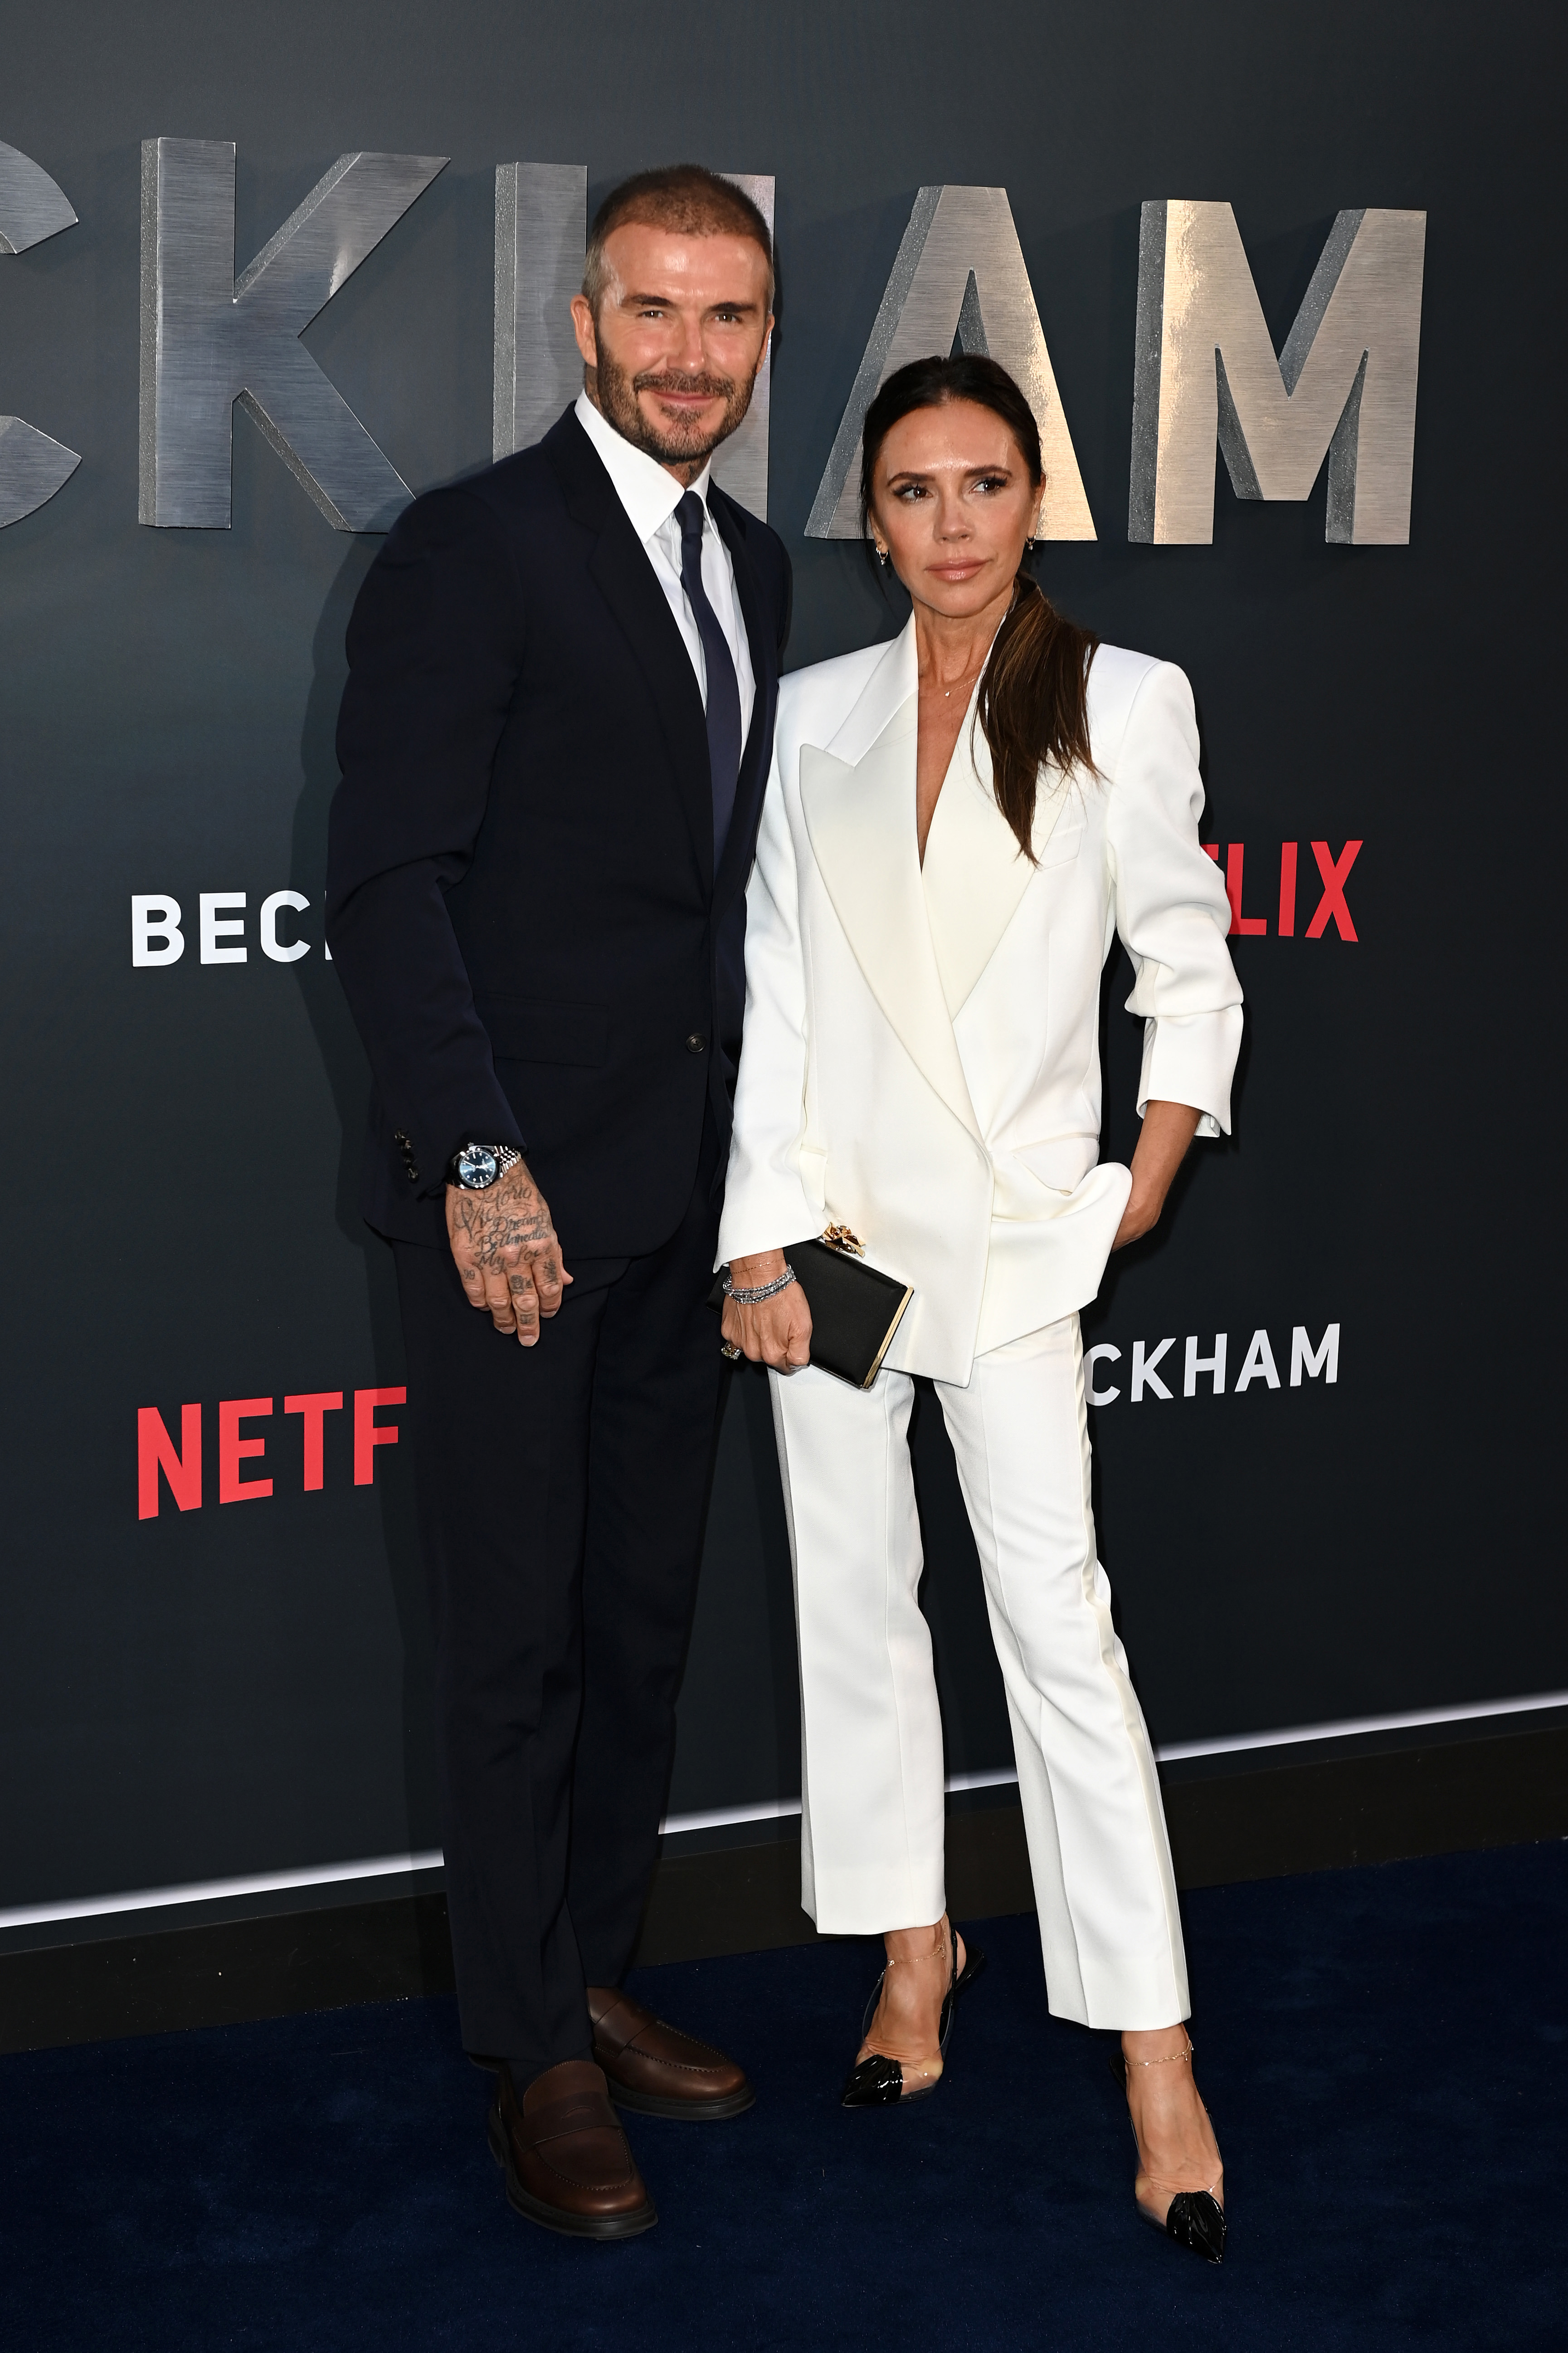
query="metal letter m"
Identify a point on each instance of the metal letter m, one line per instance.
(1344, 386)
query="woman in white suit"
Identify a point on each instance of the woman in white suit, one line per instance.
(956, 824)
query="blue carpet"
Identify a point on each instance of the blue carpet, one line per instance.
(1382, 2050)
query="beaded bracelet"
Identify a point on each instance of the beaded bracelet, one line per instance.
(763, 1290)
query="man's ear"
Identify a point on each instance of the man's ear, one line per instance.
(583, 327)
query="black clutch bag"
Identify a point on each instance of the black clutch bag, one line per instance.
(855, 1308)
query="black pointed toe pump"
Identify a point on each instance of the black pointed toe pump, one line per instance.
(876, 2081)
(1195, 2218)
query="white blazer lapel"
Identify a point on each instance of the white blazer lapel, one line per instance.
(860, 815)
(975, 875)
(895, 679)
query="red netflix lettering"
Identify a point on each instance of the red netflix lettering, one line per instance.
(368, 1433)
(1286, 889)
(232, 1449)
(314, 1405)
(1332, 902)
(1249, 925)
(155, 1452)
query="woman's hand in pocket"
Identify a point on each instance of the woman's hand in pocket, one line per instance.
(776, 1332)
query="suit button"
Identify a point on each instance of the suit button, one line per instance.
(697, 1043)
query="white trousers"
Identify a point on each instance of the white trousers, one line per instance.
(872, 1842)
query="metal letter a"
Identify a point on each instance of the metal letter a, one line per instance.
(959, 275)
(209, 339)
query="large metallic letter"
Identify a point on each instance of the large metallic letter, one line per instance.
(958, 276)
(1344, 386)
(209, 339)
(741, 464)
(541, 229)
(32, 466)
(541, 232)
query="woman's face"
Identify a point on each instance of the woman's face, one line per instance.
(953, 504)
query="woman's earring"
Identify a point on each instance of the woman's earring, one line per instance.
(881, 554)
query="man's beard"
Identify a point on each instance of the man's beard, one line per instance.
(676, 443)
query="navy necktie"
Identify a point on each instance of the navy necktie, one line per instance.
(723, 688)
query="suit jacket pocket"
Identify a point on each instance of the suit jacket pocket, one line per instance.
(1065, 841)
(1061, 1162)
(539, 1029)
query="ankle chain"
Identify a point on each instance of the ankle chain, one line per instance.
(938, 1952)
(1170, 2059)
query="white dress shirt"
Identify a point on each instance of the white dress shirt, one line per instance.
(650, 497)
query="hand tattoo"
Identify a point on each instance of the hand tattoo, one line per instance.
(506, 1252)
(509, 1216)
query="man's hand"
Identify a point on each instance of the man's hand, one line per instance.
(1168, 1129)
(506, 1252)
(778, 1333)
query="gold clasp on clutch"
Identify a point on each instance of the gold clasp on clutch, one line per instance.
(840, 1237)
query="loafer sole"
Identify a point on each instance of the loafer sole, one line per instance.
(651, 2104)
(630, 2225)
(695, 2112)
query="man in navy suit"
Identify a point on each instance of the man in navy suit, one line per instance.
(554, 741)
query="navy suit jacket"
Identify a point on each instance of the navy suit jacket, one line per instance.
(520, 895)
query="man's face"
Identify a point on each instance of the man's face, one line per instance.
(674, 352)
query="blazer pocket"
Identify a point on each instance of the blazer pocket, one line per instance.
(539, 1030)
(1064, 845)
(1062, 1162)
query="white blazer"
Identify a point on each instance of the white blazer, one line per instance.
(922, 1054)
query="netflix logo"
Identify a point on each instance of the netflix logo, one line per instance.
(166, 1468)
(1329, 881)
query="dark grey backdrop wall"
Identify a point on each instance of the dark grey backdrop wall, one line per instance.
(241, 1687)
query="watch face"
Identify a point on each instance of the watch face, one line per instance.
(476, 1165)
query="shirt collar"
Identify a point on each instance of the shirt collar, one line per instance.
(648, 494)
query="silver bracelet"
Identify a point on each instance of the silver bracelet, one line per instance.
(763, 1290)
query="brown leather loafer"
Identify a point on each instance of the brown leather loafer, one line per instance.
(565, 2157)
(657, 2070)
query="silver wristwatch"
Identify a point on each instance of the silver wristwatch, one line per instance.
(476, 1166)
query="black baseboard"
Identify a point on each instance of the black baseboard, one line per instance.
(1326, 1813)
(1338, 1811)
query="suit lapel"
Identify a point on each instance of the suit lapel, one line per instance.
(861, 814)
(752, 779)
(975, 875)
(625, 580)
(888, 688)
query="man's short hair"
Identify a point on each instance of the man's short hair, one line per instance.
(686, 198)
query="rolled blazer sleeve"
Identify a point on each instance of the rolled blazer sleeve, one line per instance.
(1171, 907)
(435, 644)
(765, 1204)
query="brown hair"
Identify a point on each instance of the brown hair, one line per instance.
(1034, 694)
(684, 198)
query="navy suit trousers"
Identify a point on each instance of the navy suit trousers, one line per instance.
(562, 1491)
